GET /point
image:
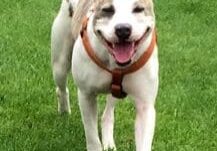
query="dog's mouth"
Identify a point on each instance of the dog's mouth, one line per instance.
(123, 51)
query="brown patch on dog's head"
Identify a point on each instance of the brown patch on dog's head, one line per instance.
(103, 9)
(149, 6)
(107, 6)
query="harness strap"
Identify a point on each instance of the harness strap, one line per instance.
(116, 85)
(117, 74)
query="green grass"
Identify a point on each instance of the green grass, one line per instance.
(186, 104)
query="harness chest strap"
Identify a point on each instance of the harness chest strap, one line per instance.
(117, 74)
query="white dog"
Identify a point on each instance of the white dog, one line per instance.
(115, 53)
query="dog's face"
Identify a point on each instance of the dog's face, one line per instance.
(123, 25)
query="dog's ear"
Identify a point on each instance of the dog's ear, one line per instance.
(79, 13)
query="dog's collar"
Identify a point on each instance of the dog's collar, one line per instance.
(117, 74)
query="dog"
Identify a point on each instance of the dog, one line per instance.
(110, 47)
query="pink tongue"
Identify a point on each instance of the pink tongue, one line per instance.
(123, 52)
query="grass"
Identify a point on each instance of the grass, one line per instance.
(186, 104)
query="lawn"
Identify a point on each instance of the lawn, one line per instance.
(187, 100)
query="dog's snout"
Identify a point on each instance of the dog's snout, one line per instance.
(123, 31)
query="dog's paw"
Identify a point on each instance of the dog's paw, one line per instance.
(109, 147)
(63, 102)
(64, 111)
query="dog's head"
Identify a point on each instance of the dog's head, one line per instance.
(122, 25)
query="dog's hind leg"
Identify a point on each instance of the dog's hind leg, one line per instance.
(61, 53)
(61, 68)
(60, 77)
(108, 124)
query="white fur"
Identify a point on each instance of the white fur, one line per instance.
(61, 48)
(91, 80)
(108, 124)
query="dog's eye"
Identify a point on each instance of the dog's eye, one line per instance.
(138, 9)
(108, 10)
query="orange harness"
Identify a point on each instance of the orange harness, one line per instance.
(117, 74)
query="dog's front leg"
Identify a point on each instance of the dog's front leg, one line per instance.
(108, 124)
(144, 125)
(88, 107)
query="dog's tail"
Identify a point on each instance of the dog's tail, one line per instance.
(81, 9)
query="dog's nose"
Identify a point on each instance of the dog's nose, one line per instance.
(123, 31)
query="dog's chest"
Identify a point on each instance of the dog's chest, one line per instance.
(88, 76)
(98, 82)
(93, 79)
